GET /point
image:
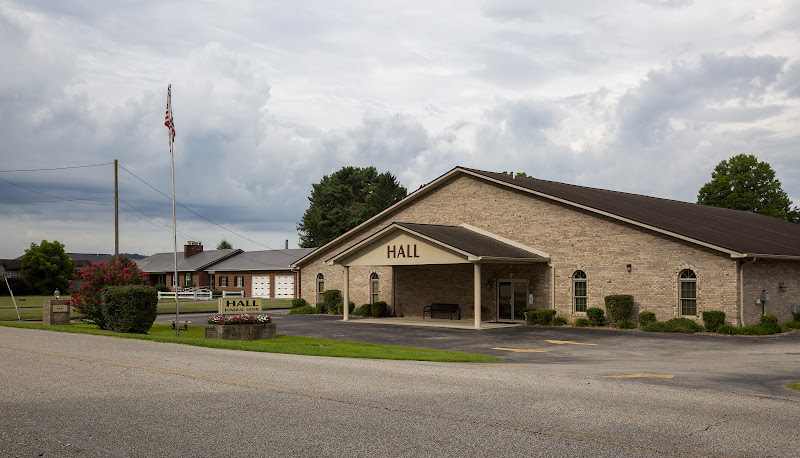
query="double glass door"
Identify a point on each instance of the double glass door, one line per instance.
(511, 300)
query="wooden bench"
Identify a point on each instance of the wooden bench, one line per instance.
(183, 323)
(440, 307)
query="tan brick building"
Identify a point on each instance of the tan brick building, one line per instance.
(497, 244)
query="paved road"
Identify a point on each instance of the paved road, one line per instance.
(83, 395)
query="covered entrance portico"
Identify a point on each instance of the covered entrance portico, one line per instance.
(432, 261)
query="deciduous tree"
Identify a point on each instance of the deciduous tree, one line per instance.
(745, 183)
(46, 267)
(224, 245)
(345, 199)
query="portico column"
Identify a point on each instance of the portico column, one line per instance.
(346, 293)
(477, 296)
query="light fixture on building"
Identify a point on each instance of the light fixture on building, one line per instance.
(56, 293)
(629, 267)
(782, 287)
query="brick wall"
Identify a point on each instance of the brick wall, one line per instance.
(769, 275)
(574, 239)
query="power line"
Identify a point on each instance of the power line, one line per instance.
(194, 212)
(57, 168)
(80, 201)
(155, 221)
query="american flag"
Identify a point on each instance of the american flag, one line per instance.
(168, 118)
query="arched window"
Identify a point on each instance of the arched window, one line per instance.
(320, 287)
(374, 287)
(579, 291)
(688, 281)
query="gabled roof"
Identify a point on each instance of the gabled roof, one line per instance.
(478, 244)
(11, 264)
(165, 262)
(736, 233)
(262, 260)
(468, 243)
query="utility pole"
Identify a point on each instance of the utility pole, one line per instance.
(116, 211)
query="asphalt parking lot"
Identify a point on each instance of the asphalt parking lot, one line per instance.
(752, 364)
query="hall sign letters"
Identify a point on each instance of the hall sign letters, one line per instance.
(398, 248)
(239, 305)
(401, 251)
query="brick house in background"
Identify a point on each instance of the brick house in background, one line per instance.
(264, 274)
(497, 244)
(191, 266)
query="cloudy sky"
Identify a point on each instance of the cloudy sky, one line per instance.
(638, 96)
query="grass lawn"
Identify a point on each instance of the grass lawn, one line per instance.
(30, 307)
(293, 345)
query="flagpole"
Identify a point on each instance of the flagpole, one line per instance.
(170, 125)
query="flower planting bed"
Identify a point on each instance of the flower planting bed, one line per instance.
(242, 327)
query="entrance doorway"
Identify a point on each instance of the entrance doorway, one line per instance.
(511, 300)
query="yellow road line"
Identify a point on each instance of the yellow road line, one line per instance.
(520, 350)
(562, 342)
(640, 376)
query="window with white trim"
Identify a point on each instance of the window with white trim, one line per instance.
(320, 287)
(688, 285)
(238, 280)
(579, 291)
(223, 281)
(374, 288)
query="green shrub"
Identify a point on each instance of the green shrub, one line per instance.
(302, 310)
(581, 322)
(682, 325)
(363, 310)
(340, 308)
(770, 322)
(560, 321)
(753, 330)
(299, 302)
(619, 306)
(646, 318)
(216, 293)
(161, 288)
(320, 308)
(796, 317)
(626, 324)
(546, 316)
(96, 277)
(531, 317)
(792, 325)
(713, 320)
(130, 308)
(379, 309)
(595, 316)
(331, 299)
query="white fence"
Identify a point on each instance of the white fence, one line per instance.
(194, 294)
(233, 294)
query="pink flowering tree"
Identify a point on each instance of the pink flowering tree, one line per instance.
(96, 277)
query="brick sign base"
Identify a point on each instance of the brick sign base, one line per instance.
(254, 331)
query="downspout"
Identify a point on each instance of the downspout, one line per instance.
(552, 286)
(741, 289)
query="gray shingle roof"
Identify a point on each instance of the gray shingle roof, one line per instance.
(739, 231)
(468, 241)
(262, 260)
(165, 262)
